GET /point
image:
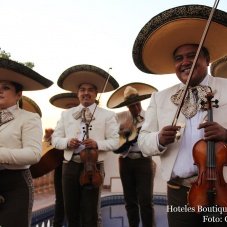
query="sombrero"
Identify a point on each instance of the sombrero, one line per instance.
(219, 67)
(154, 46)
(50, 160)
(65, 100)
(21, 74)
(72, 77)
(29, 105)
(129, 94)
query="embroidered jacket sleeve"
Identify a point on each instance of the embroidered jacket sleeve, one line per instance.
(59, 139)
(111, 136)
(147, 139)
(21, 141)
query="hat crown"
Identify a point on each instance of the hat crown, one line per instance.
(130, 92)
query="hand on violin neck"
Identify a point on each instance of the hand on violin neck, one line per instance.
(168, 134)
(213, 131)
(73, 143)
(90, 143)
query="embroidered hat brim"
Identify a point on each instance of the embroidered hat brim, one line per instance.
(219, 67)
(76, 75)
(21, 74)
(154, 46)
(65, 100)
(116, 100)
(29, 105)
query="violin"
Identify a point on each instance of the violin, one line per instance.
(210, 188)
(90, 176)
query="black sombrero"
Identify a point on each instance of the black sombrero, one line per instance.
(21, 74)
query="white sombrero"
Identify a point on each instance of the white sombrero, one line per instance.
(129, 94)
(21, 74)
(154, 46)
(219, 67)
(29, 105)
(74, 76)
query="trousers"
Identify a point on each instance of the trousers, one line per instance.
(137, 181)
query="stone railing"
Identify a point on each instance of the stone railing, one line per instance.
(44, 184)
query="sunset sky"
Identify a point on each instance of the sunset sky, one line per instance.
(57, 34)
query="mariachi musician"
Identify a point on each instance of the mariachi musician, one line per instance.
(71, 134)
(52, 158)
(65, 101)
(168, 43)
(20, 142)
(136, 169)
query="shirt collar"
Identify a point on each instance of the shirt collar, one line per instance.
(91, 107)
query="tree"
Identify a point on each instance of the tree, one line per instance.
(4, 54)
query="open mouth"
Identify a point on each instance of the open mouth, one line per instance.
(186, 70)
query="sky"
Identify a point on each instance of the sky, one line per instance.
(58, 34)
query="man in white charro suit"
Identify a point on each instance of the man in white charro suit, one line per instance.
(81, 202)
(169, 44)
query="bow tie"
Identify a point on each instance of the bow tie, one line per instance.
(5, 116)
(84, 114)
(192, 101)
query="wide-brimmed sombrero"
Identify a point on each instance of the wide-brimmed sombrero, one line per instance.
(71, 78)
(154, 46)
(21, 74)
(219, 67)
(129, 94)
(29, 105)
(50, 160)
(65, 100)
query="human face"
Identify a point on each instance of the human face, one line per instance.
(87, 94)
(135, 109)
(8, 95)
(183, 60)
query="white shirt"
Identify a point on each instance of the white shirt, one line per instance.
(184, 165)
(80, 135)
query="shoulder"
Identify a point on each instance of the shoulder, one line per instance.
(28, 115)
(69, 111)
(166, 92)
(219, 81)
(218, 84)
(106, 112)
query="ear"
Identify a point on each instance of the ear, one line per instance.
(208, 60)
(19, 95)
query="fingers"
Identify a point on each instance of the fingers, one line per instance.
(89, 143)
(213, 131)
(48, 132)
(73, 143)
(168, 134)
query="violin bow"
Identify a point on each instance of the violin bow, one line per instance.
(194, 62)
(104, 88)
